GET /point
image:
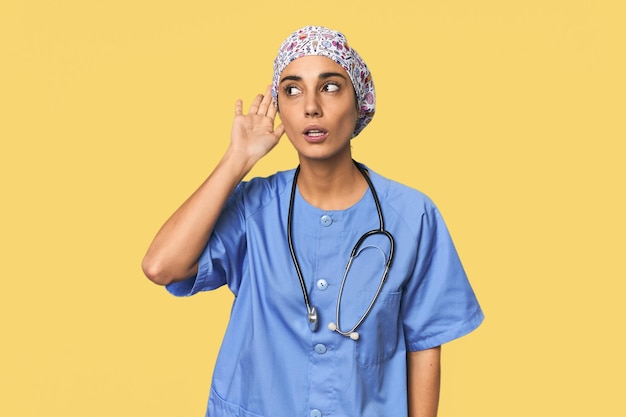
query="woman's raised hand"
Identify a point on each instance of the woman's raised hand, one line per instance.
(253, 134)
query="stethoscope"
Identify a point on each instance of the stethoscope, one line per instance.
(312, 316)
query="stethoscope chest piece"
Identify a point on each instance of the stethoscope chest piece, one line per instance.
(312, 318)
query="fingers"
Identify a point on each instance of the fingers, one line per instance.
(254, 107)
(272, 110)
(263, 104)
(278, 131)
(238, 108)
(266, 102)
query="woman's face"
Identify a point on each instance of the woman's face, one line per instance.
(317, 107)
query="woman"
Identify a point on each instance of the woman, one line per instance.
(287, 248)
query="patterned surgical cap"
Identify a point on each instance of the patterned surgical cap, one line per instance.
(318, 40)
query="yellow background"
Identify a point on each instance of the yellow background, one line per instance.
(509, 114)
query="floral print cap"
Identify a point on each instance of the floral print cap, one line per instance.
(318, 40)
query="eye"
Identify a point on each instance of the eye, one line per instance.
(292, 90)
(331, 87)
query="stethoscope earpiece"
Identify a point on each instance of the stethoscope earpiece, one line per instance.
(352, 335)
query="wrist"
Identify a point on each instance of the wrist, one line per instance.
(239, 162)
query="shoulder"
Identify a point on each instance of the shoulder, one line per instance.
(400, 197)
(405, 206)
(259, 192)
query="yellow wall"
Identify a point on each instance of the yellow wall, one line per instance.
(509, 114)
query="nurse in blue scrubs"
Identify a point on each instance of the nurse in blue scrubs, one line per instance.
(346, 283)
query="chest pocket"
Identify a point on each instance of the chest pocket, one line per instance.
(379, 333)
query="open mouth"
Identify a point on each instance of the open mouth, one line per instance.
(315, 133)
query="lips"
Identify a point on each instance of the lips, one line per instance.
(315, 133)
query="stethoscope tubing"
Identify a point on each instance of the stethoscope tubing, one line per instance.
(337, 326)
(311, 310)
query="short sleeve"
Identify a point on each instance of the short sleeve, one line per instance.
(438, 304)
(223, 258)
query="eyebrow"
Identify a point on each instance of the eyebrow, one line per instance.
(322, 76)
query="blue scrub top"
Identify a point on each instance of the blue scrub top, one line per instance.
(270, 363)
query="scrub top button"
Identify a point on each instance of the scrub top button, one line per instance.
(320, 348)
(322, 284)
(315, 413)
(326, 220)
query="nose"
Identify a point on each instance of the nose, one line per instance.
(312, 107)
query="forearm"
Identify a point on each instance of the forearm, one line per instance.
(424, 375)
(174, 252)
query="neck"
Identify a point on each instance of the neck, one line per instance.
(331, 187)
